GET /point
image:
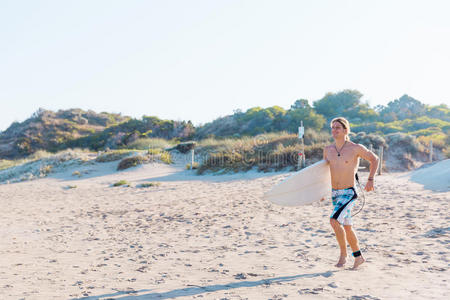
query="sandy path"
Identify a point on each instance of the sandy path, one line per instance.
(213, 238)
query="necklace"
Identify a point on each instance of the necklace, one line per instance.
(339, 151)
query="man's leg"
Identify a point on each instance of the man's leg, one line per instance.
(340, 237)
(354, 244)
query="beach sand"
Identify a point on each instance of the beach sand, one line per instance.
(213, 237)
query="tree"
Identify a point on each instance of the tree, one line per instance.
(403, 108)
(301, 104)
(302, 111)
(345, 104)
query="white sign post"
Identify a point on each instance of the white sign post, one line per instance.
(301, 156)
(301, 131)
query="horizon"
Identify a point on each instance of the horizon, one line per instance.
(202, 60)
(195, 124)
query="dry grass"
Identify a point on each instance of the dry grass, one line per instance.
(114, 155)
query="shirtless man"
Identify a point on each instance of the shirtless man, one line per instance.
(343, 157)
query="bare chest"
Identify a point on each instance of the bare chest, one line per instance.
(345, 158)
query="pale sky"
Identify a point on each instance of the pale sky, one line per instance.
(198, 60)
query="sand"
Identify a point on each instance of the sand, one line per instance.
(434, 176)
(213, 237)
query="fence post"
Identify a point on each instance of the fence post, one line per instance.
(380, 162)
(301, 136)
(431, 151)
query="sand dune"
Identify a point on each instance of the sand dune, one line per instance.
(213, 237)
(434, 177)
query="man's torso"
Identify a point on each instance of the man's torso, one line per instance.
(344, 166)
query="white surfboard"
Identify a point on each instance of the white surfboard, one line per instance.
(305, 186)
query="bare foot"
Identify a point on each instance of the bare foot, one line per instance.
(358, 261)
(341, 262)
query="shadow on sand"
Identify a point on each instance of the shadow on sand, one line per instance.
(195, 290)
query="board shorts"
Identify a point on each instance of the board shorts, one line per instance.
(343, 201)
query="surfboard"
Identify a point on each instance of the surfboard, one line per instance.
(303, 187)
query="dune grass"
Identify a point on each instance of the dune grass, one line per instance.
(114, 155)
(121, 183)
(148, 184)
(266, 152)
(150, 143)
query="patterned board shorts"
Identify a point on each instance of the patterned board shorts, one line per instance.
(343, 201)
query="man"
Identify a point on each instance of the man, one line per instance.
(343, 158)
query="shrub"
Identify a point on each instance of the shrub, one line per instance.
(194, 166)
(130, 162)
(185, 147)
(149, 184)
(447, 152)
(314, 137)
(438, 140)
(375, 140)
(404, 141)
(154, 151)
(39, 154)
(121, 182)
(76, 173)
(45, 170)
(166, 158)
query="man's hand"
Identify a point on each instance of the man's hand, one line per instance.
(369, 186)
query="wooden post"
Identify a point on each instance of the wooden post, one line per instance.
(301, 160)
(192, 158)
(380, 160)
(431, 151)
(303, 154)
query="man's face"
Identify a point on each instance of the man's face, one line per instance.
(337, 130)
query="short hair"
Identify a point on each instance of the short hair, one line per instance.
(344, 122)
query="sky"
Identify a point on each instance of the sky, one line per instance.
(201, 59)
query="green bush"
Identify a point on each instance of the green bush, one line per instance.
(153, 151)
(130, 162)
(185, 147)
(166, 158)
(149, 184)
(121, 182)
(45, 170)
(438, 139)
(194, 166)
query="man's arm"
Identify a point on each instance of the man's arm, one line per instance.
(373, 160)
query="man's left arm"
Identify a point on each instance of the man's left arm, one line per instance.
(373, 160)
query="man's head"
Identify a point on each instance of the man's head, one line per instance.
(340, 127)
